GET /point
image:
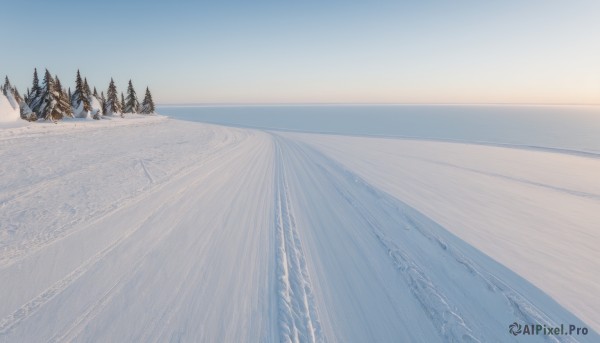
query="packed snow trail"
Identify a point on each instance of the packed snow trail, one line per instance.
(188, 258)
(174, 231)
(298, 316)
(535, 212)
(358, 235)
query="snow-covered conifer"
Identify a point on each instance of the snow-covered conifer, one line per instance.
(132, 104)
(15, 99)
(148, 103)
(34, 98)
(6, 87)
(102, 101)
(49, 108)
(80, 100)
(63, 102)
(86, 88)
(17, 95)
(112, 104)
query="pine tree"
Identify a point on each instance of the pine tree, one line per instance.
(24, 108)
(26, 112)
(36, 83)
(35, 96)
(86, 89)
(95, 93)
(122, 103)
(11, 94)
(7, 87)
(80, 95)
(131, 103)
(102, 101)
(112, 105)
(148, 103)
(49, 108)
(63, 104)
(17, 95)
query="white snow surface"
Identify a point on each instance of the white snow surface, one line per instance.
(79, 112)
(9, 109)
(152, 229)
(95, 105)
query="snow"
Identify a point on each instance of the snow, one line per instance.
(9, 109)
(529, 210)
(96, 107)
(79, 112)
(153, 229)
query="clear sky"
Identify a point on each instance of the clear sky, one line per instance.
(452, 51)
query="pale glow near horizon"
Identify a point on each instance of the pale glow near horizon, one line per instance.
(539, 51)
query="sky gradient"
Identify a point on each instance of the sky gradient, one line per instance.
(512, 51)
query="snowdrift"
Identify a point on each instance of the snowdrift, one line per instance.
(9, 108)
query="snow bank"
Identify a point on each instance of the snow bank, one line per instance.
(96, 107)
(535, 212)
(9, 109)
(79, 112)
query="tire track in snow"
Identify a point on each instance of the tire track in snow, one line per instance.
(379, 210)
(78, 325)
(13, 254)
(33, 305)
(446, 317)
(298, 315)
(44, 183)
(360, 195)
(522, 308)
(146, 172)
(71, 332)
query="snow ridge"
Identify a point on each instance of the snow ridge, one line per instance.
(298, 315)
(451, 324)
(12, 254)
(521, 307)
(443, 314)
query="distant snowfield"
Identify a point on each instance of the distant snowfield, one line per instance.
(153, 229)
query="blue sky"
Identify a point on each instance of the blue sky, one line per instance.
(512, 51)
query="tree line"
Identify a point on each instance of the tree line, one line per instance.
(49, 100)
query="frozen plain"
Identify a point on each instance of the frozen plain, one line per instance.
(163, 230)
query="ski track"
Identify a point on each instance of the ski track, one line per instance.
(11, 255)
(451, 324)
(32, 188)
(436, 304)
(445, 317)
(146, 172)
(386, 220)
(298, 320)
(31, 307)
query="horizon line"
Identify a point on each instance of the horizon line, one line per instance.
(234, 104)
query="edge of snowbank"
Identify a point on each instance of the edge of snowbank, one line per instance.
(22, 127)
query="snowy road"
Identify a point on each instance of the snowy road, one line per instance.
(166, 230)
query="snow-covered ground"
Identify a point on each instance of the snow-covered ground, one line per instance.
(153, 229)
(9, 109)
